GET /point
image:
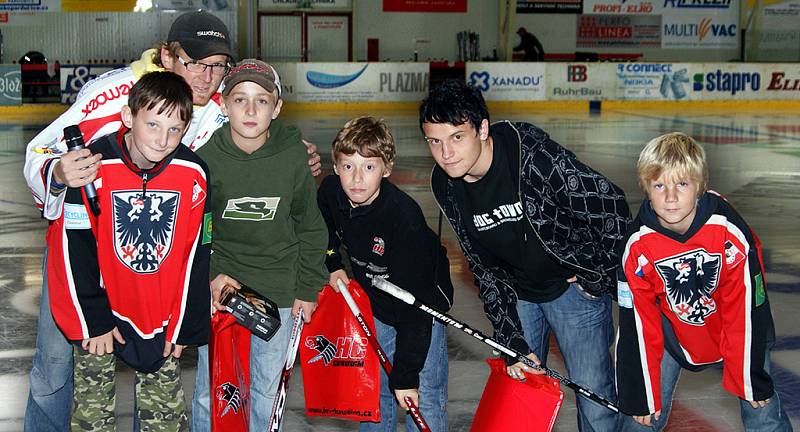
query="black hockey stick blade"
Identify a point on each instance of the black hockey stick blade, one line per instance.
(407, 297)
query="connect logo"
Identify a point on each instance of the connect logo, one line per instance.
(727, 82)
(576, 73)
(327, 81)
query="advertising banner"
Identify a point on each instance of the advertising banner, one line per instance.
(549, 6)
(788, 8)
(735, 81)
(424, 5)
(626, 7)
(700, 24)
(24, 12)
(781, 81)
(74, 76)
(581, 81)
(779, 27)
(98, 5)
(209, 5)
(295, 4)
(18, 18)
(30, 5)
(508, 81)
(595, 31)
(10, 85)
(656, 81)
(287, 73)
(360, 82)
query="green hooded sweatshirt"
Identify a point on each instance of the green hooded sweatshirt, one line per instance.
(267, 230)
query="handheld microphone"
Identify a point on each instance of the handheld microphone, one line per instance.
(74, 140)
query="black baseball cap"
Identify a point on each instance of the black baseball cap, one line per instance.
(201, 34)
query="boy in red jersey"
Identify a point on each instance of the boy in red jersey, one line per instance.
(133, 280)
(691, 294)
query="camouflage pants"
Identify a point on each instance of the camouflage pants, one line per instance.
(160, 404)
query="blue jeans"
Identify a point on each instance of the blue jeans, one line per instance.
(583, 327)
(432, 383)
(266, 363)
(50, 397)
(771, 418)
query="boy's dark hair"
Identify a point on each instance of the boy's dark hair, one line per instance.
(166, 90)
(454, 102)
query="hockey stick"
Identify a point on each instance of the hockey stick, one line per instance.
(395, 291)
(280, 398)
(416, 416)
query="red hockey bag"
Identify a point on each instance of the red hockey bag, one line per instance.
(340, 370)
(229, 368)
(508, 404)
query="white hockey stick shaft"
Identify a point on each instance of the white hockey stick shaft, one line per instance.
(279, 406)
(416, 416)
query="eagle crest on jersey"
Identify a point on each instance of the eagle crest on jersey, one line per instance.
(689, 280)
(143, 227)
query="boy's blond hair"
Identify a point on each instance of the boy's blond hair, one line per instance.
(675, 153)
(368, 136)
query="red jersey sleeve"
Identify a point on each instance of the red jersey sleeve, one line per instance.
(78, 300)
(640, 344)
(748, 327)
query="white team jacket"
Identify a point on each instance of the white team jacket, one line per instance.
(97, 112)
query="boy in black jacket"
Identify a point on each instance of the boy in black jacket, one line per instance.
(385, 235)
(540, 231)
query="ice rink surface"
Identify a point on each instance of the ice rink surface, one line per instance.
(754, 160)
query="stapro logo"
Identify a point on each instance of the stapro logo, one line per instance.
(108, 95)
(576, 73)
(727, 82)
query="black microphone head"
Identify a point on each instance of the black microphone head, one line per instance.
(73, 136)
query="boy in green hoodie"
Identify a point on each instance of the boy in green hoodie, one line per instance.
(268, 233)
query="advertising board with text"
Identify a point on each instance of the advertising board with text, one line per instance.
(595, 31)
(360, 82)
(730, 81)
(10, 85)
(581, 81)
(656, 81)
(508, 81)
(700, 24)
(74, 76)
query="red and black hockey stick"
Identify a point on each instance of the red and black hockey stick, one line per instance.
(409, 298)
(416, 416)
(280, 398)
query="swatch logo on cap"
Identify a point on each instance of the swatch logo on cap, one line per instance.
(212, 33)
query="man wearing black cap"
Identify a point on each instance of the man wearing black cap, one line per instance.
(532, 47)
(198, 49)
